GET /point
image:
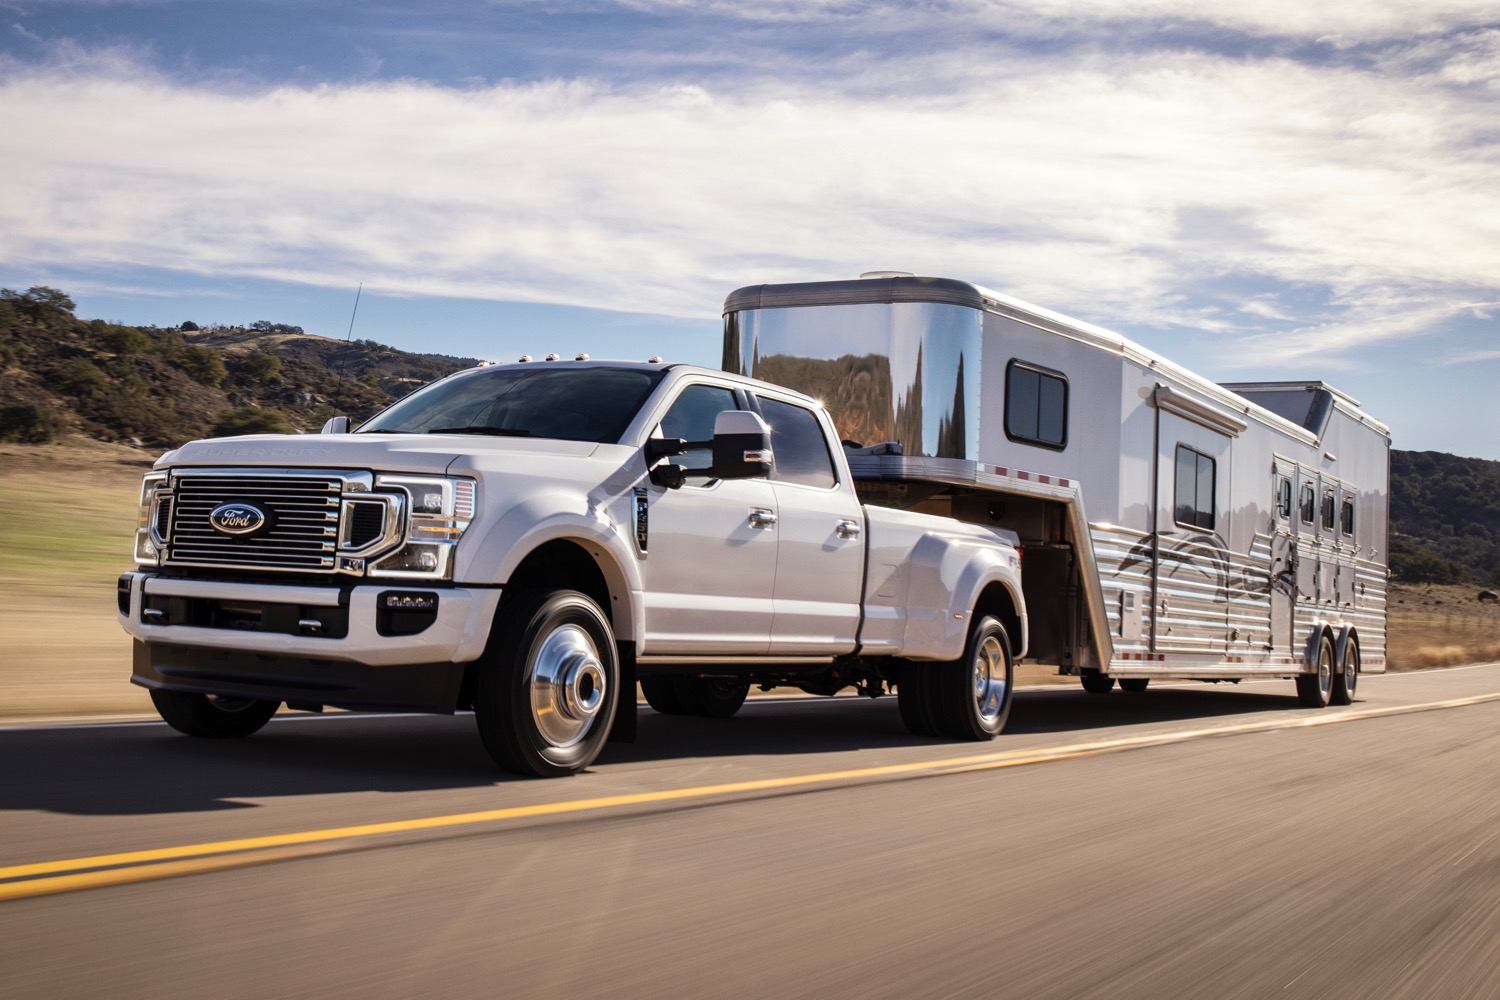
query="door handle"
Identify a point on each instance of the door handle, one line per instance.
(762, 518)
(847, 529)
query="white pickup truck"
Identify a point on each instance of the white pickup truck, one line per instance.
(529, 540)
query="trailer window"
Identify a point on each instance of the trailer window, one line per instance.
(1036, 406)
(1309, 501)
(1346, 517)
(1283, 498)
(1328, 510)
(1194, 490)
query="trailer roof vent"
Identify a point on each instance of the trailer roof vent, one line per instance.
(886, 274)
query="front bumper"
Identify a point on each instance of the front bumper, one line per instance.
(304, 645)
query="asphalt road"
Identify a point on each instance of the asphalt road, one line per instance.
(1196, 841)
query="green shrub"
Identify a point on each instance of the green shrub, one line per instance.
(251, 420)
(262, 367)
(202, 364)
(122, 340)
(31, 423)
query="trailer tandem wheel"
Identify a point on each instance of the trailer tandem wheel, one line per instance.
(1315, 689)
(1346, 677)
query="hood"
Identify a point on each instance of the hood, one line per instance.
(423, 453)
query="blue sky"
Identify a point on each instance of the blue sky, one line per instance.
(1289, 190)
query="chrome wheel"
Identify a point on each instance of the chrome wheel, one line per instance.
(991, 678)
(568, 686)
(969, 699)
(546, 690)
(1346, 678)
(1315, 689)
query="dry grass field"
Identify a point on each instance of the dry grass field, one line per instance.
(67, 513)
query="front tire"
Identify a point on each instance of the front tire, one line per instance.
(212, 716)
(1095, 682)
(545, 692)
(661, 695)
(711, 697)
(973, 695)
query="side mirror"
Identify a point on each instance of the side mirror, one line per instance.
(336, 425)
(670, 476)
(660, 448)
(741, 446)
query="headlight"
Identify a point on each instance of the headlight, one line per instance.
(438, 511)
(153, 520)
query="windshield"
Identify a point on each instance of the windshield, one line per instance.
(572, 404)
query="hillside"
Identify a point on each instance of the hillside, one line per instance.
(1445, 518)
(156, 388)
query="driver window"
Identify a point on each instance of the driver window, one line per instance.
(691, 417)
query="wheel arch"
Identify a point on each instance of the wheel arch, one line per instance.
(1320, 632)
(999, 600)
(576, 564)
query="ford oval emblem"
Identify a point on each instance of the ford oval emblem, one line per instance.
(236, 519)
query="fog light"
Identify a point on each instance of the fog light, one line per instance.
(405, 612)
(397, 601)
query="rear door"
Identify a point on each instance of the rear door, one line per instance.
(820, 555)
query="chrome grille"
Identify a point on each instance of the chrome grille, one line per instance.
(302, 510)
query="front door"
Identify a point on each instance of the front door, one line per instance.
(708, 549)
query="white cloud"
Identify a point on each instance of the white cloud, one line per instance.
(1337, 21)
(1104, 185)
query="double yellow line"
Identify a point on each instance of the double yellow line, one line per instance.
(51, 877)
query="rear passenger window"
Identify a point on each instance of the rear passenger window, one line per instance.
(1346, 517)
(798, 443)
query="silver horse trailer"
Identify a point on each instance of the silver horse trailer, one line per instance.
(1229, 532)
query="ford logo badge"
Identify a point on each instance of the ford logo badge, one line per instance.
(236, 519)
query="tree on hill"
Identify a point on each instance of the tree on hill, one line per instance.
(44, 306)
(31, 423)
(252, 420)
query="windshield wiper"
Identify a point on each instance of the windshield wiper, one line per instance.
(490, 431)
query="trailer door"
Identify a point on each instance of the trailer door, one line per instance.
(1192, 565)
(1283, 569)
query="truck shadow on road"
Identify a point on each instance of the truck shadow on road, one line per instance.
(148, 769)
(776, 727)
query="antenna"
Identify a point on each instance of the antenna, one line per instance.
(355, 313)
